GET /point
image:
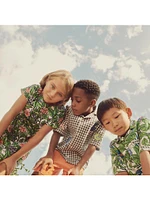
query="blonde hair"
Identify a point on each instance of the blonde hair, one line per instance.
(63, 75)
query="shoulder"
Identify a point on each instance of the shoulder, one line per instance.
(97, 126)
(34, 87)
(143, 124)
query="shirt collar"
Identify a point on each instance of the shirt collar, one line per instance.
(132, 126)
(90, 115)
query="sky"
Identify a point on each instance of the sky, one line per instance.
(117, 57)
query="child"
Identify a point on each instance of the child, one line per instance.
(82, 134)
(36, 112)
(130, 151)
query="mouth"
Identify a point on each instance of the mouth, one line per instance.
(117, 130)
(74, 111)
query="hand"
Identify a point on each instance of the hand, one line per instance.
(10, 163)
(74, 171)
(43, 164)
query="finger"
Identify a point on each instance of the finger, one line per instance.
(38, 164)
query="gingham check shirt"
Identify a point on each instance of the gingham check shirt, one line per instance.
(78, 132)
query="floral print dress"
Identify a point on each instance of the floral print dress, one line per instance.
(125, 150)
(35, 114)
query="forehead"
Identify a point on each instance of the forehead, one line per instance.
(78, 92)
(59, 83)
(109, 113)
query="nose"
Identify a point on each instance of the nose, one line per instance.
(73, 104)
(115, 123)
(53, 93)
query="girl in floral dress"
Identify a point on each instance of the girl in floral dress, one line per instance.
(36, 112)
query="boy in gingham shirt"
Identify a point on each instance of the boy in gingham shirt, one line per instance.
(82, 134)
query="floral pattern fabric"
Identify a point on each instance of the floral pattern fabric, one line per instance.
(35, 114)
(125, 150)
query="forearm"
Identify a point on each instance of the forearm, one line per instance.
(145, 162)
(87, 155)
(122, 173)
(53, 143)
(28, 146)
(5, 122)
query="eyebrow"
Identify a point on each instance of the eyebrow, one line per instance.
(112, 115)
(58, 91)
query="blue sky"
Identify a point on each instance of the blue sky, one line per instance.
(116, 57)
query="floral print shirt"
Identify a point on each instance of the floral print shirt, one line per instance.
(35, 114)
(125, 150)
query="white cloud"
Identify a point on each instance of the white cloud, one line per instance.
(73, 50)
(127, 93)
(147, 61)
(105, 86)
(129, 68)
(97, 29)
(134, 31)
(111, 30)
(11, 30)
(103, 62)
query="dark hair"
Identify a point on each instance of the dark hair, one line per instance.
(90, 87)
(109, 103)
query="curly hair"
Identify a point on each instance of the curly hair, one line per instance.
(91, 88)
(105, 105)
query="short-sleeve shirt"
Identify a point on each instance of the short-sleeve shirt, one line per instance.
(125, 150)
(78, 132)
(35, 114)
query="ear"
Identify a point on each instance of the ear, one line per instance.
(93, 102)
(129, 112)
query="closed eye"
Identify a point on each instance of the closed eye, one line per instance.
(117, 116)
(107, 123)
(53, 86)
(60, 94)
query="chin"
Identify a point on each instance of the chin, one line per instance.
(76, 114)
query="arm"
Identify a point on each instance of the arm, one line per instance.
(11, 161)
(145, 162)
(48, 159)
(122, 173)
(36, 139)
(143, 126)
(117, 160)
(10, 115)
(87, 155)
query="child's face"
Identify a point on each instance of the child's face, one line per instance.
(80, 104)
(54, 91)
(117, 121)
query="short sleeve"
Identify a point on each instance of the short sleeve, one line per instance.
(31, 91)
(117, 159)
(98, 133)
(143, 127)
(64, 124)
(55, 115)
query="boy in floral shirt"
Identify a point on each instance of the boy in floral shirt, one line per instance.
(130, 150)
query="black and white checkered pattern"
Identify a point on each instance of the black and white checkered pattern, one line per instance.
(78, 132)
